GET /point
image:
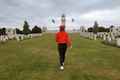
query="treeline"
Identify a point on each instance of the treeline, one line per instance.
(25, 30)
(100, 29)
(96, 28)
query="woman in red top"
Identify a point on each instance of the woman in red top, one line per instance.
(63, 41)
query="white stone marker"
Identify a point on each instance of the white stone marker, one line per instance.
(104, 37)
(17, 38)
(95, 37)
(118, 42)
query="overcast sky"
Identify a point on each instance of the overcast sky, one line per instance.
(40, 12)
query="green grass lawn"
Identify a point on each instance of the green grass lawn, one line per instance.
(37, 59)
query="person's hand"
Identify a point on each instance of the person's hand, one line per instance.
(71, 47)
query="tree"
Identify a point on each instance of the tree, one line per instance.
(111, 28)
(3, 31)
(90, 29)
(101, 29)
(107, 30)
(26, 29)
(18, 31)
(36, 29)
(95, 27)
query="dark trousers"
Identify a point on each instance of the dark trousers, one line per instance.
(62, 50)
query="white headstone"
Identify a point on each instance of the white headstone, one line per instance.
(17, 38)
(112, 36)
(104, 37)
(118, 42)
(21, 37)
(95, 36)
(108, 38)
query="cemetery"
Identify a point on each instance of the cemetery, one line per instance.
(25, 57)
(109, 36)
(59, 39)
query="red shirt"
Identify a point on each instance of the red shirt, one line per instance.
(62, 37)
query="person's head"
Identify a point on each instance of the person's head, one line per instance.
(62, 28)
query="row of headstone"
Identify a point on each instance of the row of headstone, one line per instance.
(89, 35)
(103, 35)
(21, 37)
(18, 37)
(3, 38)
(111, 38)
(108, 36)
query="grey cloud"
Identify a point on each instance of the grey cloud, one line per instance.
(17, 10)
